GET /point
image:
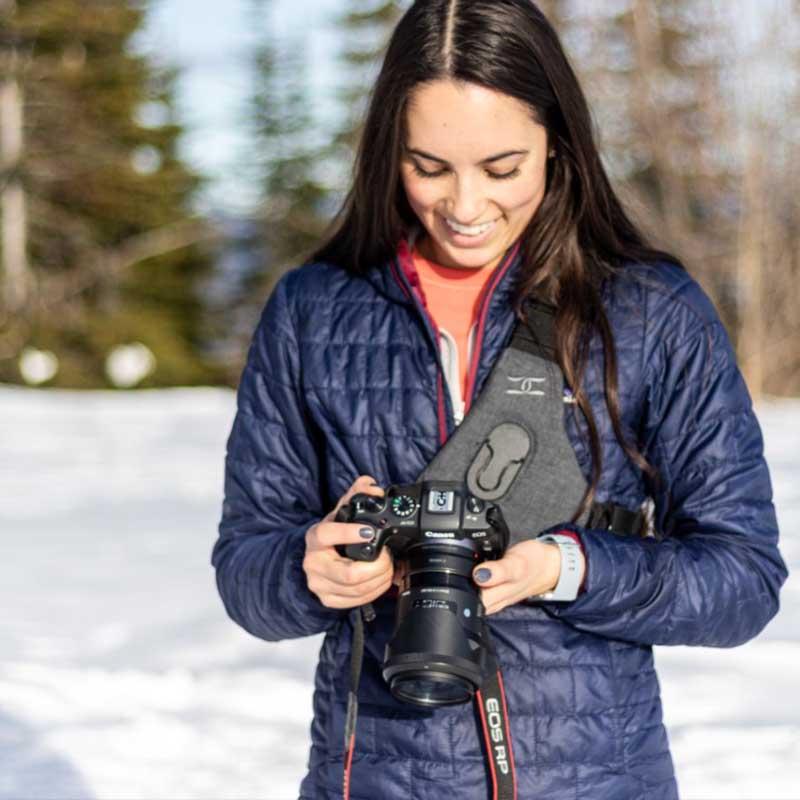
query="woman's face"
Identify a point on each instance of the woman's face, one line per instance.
(474, 159)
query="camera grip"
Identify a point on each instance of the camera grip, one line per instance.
(356, 552)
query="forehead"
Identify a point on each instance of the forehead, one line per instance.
(456, 120)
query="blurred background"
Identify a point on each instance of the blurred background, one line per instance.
(162, 162)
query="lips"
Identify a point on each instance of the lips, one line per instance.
(469, 241)
(469, 230)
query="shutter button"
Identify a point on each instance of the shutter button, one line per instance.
(474, 505)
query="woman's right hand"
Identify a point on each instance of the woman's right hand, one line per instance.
(337, 581)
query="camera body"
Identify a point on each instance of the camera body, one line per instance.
(439, 652)
(425, 513)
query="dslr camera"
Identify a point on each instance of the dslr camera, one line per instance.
(439, 653)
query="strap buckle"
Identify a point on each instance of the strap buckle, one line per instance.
(616, 518)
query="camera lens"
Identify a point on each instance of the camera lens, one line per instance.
(437, 651)
(428, 688)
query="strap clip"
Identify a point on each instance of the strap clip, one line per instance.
(616, 518)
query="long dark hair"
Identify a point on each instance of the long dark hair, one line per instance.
(579, 237)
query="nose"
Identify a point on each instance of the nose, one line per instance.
(467, 203)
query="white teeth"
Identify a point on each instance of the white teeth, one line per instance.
(469, 230)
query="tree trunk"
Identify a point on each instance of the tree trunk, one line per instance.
(750, 271)
(657, 125)
(13, 233)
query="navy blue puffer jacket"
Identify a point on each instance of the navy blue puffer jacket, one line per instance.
(343, 379)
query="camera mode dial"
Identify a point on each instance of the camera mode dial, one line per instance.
(404, 505)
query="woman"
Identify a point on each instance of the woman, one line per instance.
(477, 186)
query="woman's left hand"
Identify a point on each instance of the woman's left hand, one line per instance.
(526, 569)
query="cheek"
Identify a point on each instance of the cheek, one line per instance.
(421, 193)
(524, 195)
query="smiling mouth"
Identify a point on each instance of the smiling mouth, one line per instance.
(469, 230)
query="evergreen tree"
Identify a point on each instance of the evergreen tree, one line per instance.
(286, 159)
(364, 28)
(114, 249)
(288, 147)
(302, 162)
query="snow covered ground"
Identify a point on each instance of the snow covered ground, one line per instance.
(121, 678)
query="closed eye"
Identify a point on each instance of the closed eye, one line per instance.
(494, 175)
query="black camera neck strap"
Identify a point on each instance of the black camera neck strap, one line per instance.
(490, 703)
(357, 617)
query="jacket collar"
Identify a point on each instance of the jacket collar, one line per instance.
(397, 278)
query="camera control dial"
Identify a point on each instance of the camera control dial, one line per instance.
(403, 505)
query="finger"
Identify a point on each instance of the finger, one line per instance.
(341, 601)
(363, 484)
(379, 592)
(322, 585)
(329, 534)
(400, 573)
(348, 572)
(499, 597)
(357, 585)
(495, 573)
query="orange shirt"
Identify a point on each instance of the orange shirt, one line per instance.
(451, 295)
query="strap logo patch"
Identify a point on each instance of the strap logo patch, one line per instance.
(526, 385)
(496, 732)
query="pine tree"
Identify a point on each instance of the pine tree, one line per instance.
(288, 143)
(286, 161)
(364, 27)
(114, 248)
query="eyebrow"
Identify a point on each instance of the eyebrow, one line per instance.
(488, 160)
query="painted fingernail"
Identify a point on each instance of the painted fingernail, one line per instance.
(483, 575)
(366, 533)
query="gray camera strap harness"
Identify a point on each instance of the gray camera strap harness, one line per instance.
(511, 449)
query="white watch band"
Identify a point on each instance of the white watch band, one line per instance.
(572, 568)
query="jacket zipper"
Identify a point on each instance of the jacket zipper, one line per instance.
(485, 302)
(433, 332)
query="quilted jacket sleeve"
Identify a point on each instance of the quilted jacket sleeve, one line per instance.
(714, 578)
(272, 490)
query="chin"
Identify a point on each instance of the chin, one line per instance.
(473, 258)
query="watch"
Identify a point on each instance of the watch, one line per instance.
(572, 568)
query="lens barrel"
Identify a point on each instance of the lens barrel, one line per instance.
(438, 649)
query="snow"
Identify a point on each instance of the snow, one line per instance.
(121, 677)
